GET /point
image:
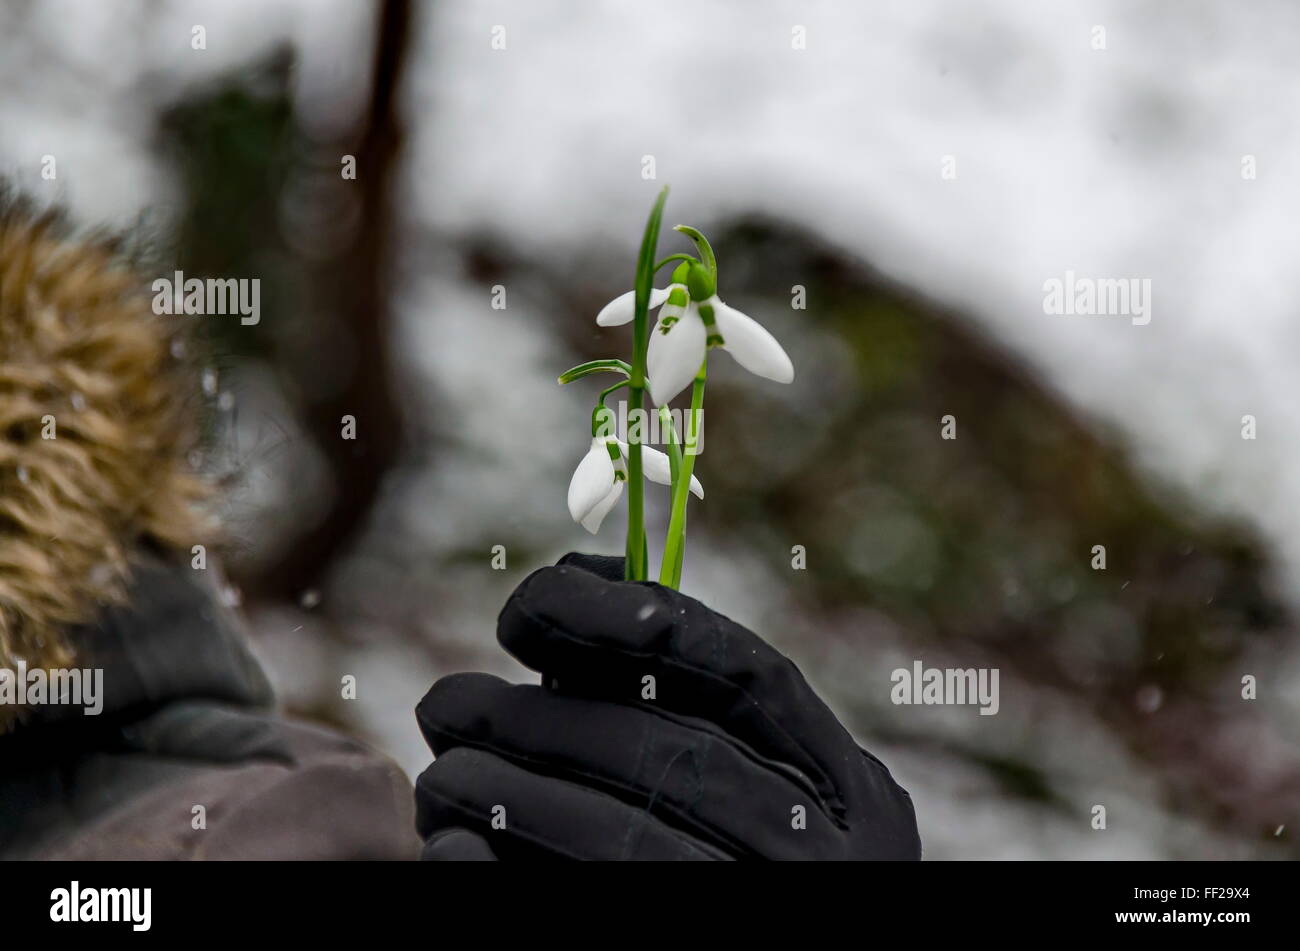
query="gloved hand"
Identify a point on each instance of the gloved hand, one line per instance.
(665, 731)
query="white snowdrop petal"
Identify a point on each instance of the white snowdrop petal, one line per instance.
(656, 465)
(675, 357)
(622, 308)
(658, 468)
(591, 481)
(749, 342)
(591, 522)
(618, 311)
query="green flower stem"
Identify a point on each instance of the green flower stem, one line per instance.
(670, 569)
(635, 564)
(675, 469)
(610, 389)
(602, 417)
(659, 266)
(674, 444)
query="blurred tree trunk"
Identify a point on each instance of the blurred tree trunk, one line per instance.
(355, 282)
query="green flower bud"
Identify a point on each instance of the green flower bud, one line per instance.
(700, 282)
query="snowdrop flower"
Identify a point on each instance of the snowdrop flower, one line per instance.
(692, 319)
(598, 481)
(678, 342)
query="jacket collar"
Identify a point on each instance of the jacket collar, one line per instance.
(172, 640)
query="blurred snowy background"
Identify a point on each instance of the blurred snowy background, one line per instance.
(819, 166)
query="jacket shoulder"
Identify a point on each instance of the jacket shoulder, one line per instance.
(294, 791)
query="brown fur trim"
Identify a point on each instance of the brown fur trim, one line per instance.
(82, 357)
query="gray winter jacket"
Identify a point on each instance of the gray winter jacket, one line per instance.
(187, 759)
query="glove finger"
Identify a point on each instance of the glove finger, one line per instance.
(457, 845)
(542, 816)
(601, 637)
(889, 830)
(609, 567)
(686, 772)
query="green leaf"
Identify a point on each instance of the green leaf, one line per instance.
(636, 568)
(594, 366)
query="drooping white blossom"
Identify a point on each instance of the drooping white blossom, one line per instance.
(600, 476)
(678, 346)
(691, 321)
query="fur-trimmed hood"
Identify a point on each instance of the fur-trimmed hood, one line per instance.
(97, 424)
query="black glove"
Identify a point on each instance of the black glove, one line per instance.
(733, 757)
